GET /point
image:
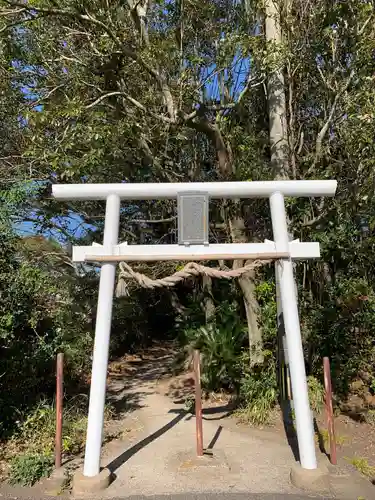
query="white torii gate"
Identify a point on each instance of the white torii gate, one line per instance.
(111, 252)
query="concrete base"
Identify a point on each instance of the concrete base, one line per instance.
(56, 483)
(314, 480)
(184, 461)
(83, 485)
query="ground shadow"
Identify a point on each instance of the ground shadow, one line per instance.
(289, 428)
(126, 402)
(129, 373)
(181, 390)
(321, 444)
(357, 415)
(215, 438)
(223, 411)
(127, 454)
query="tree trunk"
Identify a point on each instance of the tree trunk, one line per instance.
(208, 302)
(276, 99)
(247, 285)
(278, 137)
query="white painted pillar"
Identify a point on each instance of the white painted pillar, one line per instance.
(101, 344)
(304, 421)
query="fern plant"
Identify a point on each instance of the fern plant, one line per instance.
(220, 347)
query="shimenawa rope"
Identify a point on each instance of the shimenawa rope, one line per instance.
(191, 269)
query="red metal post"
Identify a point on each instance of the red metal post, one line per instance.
(329, 411)
(198, 402)
(59, 408)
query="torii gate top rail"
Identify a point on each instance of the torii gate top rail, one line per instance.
(242, 189)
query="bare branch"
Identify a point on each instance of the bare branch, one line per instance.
(313, 222)
(136, 103)
(300, 146)
(324, 78)
(35, 103)
(66, 13)
(249, 86)
(153, 221)
(102, 97)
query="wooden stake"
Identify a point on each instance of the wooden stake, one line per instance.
(59, 408)
(329, 411)
(198, 403)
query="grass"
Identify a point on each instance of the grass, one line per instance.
(316, 394)
(362, 465)
(259, 413)
(340, 440)
(370, 417)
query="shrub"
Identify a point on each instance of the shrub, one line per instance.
(220, 347)
(28, 468)
(258, 391)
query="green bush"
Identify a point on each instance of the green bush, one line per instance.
(28, 468)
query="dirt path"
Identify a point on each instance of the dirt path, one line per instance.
(155, 451)
(150, 443)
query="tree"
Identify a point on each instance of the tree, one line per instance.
(126, 98)
(177, 91)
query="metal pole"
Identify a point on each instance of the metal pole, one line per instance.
(198, 402)
(101, 344)
(329, 411)
(304, 421)
(59, 408)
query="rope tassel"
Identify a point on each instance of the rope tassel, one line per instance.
(122, 288)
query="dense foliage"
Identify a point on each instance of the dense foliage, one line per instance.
(113, 91)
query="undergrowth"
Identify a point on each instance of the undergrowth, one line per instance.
(258, 391)
(28, 468)
(29, 453)
(323, 435)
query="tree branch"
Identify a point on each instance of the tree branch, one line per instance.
(66, 13)
(153, 221)
(136, 103)
(362, 29)
(324, 129)
(212, 131)
(158, 77)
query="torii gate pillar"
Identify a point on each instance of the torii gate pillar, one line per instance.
(101, 342)
(289, 304)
